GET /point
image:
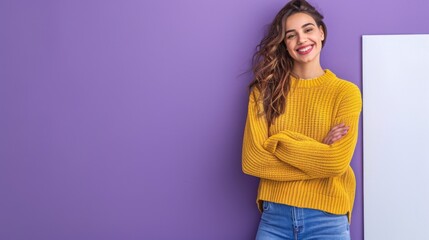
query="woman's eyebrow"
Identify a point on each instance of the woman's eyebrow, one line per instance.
(303, 26)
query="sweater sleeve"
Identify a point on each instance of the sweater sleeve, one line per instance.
(317, 159)
(256, 160)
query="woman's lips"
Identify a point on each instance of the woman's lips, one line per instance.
(305, 50)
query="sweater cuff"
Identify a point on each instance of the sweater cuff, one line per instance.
(270, 145)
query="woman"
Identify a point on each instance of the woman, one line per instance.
(301, 132)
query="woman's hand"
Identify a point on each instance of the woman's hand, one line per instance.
(336, 133)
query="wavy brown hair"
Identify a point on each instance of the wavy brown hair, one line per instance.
(272, 65)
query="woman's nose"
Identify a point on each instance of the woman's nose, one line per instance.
(301, 39)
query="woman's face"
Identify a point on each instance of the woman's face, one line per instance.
(303, 38)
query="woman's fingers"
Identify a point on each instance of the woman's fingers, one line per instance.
(338, 126)
(336, 133)
(340, 131)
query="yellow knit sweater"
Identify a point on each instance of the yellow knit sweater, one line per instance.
(293, 164)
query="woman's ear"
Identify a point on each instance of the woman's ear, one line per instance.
(322, 32)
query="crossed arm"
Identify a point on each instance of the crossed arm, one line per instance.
(292, 156)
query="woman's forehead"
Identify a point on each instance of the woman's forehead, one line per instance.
(298, 20)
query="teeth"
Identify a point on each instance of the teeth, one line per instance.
(304, 49)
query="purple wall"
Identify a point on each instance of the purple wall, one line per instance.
(124, 119)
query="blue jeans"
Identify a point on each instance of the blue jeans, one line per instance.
(280, 221)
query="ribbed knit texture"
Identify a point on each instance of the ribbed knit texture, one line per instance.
(293, 164)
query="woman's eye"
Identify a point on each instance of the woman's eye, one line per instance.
(290, 36)
(308, 30)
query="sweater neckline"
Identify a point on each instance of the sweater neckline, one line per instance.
(311, 82)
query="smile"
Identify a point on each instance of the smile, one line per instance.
(305, 50)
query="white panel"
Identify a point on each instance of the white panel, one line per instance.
(396, 136)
